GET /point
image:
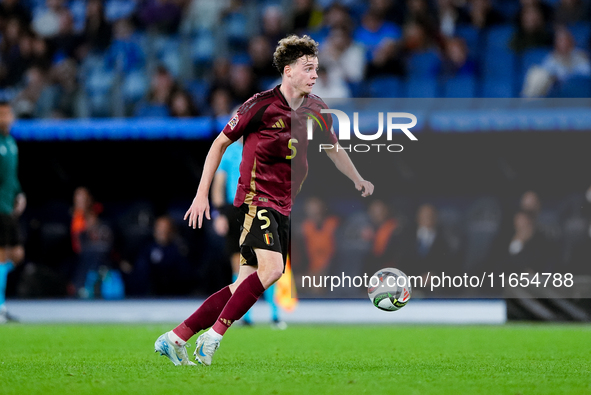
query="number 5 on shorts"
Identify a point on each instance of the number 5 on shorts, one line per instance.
(262, 217)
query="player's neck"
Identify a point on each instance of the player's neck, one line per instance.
(293, 97)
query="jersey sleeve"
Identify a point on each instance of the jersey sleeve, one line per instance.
(243, 119)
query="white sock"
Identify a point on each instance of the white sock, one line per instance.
(176, 340)
(214, 334)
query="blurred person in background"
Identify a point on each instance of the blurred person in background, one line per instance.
(273, 23)
(331, 85)
(343, 56)
(124, 54)
(181, 105)
(47, 22)
(319, 231)
(563, 63)
(242, 82)
(450, 15)
(482, 14)
(532, 31)
(14, 9)
(570, 12)
(97, 33)
(160, 16)
(26, 103)
(13, 65)
(425, 247)
(456, 59)
(220, 102)
(261, 58)
(307, 16)
(12, 205)
(380, 39)
(384, 240)
(157, 266)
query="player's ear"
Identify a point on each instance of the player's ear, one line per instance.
(287, 70)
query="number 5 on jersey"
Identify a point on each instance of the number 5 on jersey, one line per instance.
(293, 149)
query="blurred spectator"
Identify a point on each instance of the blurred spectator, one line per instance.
(83, 205)
(531, 30)
(543, 6)
(10, 9)
(566, 61)
(260, 52)
(96, 242)
(124, 54)
(482, 14)
(384, 241)
(569, 12)
(307, 16)
(243, 83)
(380, 39)
(162, 267)
(220, 73)
(530, 203)
(337, 15)
(98, 32)
(425, 247)
(274, 24)
(220, 102)
(330, 85)
(41, 55)
(26, 101)
(456, 60)
(162, 86)
(181, 105)
(318, 232)
(161, 16)
(418, 11)
(13, 64)
(66, 41)
(528, 250)
(391, 10)
(47, 23)
(563, 63)
(341, 55)
(203, 15)
(239, 22)
(450, 15)
(60, 99)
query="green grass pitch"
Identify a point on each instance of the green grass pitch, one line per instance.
(317, 360)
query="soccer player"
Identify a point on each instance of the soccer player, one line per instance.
(12, 205)
(273, 168)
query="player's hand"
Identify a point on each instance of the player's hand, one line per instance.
(194, 214)
(220, 225)
(365, 187)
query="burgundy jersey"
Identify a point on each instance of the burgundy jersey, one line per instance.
(274, 161)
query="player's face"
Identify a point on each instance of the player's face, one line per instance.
(304, 74)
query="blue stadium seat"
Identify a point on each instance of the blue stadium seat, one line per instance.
(460, 86)
(199, 91)
(498, 88)
(499, 37)
(203, 46)
(581, 33)
(385, 87)
(422, 87)
(574, 87)
(472, 38)
(424, 64)
(145, 110)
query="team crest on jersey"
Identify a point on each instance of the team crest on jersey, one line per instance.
(233, 122)
(268, 236)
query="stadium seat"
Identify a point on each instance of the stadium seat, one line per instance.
(460, 86)
(385, 87)
(498, 37)
(145, 110)
(425, 64)
(472, 38)
(199, 90)
(497, 88)
(581, 33)
(422, 87)
(575, 87)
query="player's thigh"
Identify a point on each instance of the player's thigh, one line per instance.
(271, 266)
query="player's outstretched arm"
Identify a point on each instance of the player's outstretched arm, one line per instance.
(342, 161)
(200, 205)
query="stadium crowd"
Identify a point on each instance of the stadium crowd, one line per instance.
(159, 58)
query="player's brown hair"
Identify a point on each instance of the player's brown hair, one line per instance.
(291, 48)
